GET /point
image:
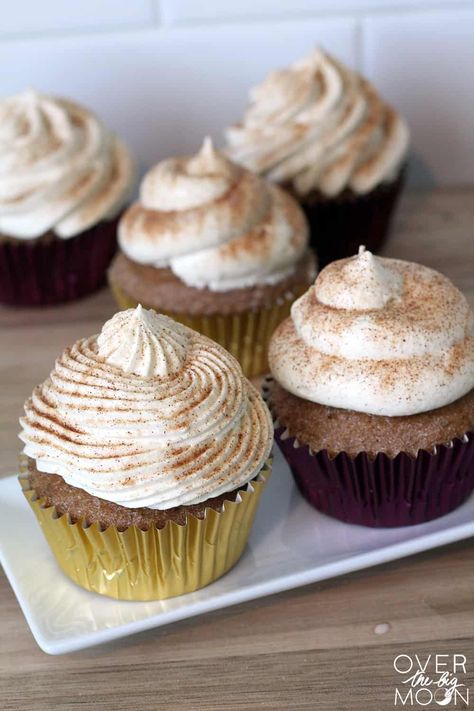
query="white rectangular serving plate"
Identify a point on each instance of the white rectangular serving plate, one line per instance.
(291, 545)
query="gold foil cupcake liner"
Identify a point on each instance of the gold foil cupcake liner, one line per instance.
(153, 564)
(245, 334)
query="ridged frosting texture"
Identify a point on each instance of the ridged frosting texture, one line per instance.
(148, 413)
(61, 169)
(214, 224)
(375, 335)
(319, 125)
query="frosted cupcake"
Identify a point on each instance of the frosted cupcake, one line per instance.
(374, 392)
(216, 248)
(64, 178)
(146, 454)
(323, 132)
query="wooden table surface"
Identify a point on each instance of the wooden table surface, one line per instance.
(326, 646)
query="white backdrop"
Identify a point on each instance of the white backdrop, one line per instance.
(164, 73)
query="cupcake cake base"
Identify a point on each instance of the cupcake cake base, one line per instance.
(383, 492)
(370, 488)
(242, 320)
(50, 270)
(174, 554)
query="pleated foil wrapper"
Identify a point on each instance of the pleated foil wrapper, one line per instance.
(155, 564)
(339, 225)
(50, 270)
(245, 334)
(383, 491)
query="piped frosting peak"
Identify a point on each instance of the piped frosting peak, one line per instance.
(319, 126)
(361, 283)
(214, 224)
(60, 168)
(377, 335)
(148, 413)
(144, 343)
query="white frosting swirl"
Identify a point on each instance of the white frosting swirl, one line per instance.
(214, 224)
(132, 341)
(148, 413)
(60, 168)
(380, 336)
(362, 284)
(319, 126)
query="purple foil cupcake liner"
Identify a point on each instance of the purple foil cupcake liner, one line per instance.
(339, 225)
(52, 270)
(382, 491)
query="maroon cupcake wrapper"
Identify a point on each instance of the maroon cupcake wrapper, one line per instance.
(382, 491)
(339, 225)
(51, 270)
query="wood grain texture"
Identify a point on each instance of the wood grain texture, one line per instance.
(311, 648)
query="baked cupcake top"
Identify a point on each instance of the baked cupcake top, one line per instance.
(148, 413)
(60, 168)
(214, 224)
(319, 126)
(380, 336)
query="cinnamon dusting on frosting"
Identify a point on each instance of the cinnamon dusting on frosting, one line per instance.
(319, 126)
(148, 414)
(376, 335)
(61, 169)
(204, 218)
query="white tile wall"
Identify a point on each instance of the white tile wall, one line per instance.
(165, 90)
(31, 16)
(425, 64)
(164, 73)
(175, 11)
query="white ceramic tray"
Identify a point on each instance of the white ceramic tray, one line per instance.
(291, 545)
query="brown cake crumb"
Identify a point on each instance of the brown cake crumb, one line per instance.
(164, 291)
(339, 430)
(79, 504)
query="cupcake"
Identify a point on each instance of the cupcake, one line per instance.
(213, 246)
(323, 132)
(146, 452)
(64, 179)
(373, 392)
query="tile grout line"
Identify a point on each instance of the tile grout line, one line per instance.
(159, 21)
(324, 14)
